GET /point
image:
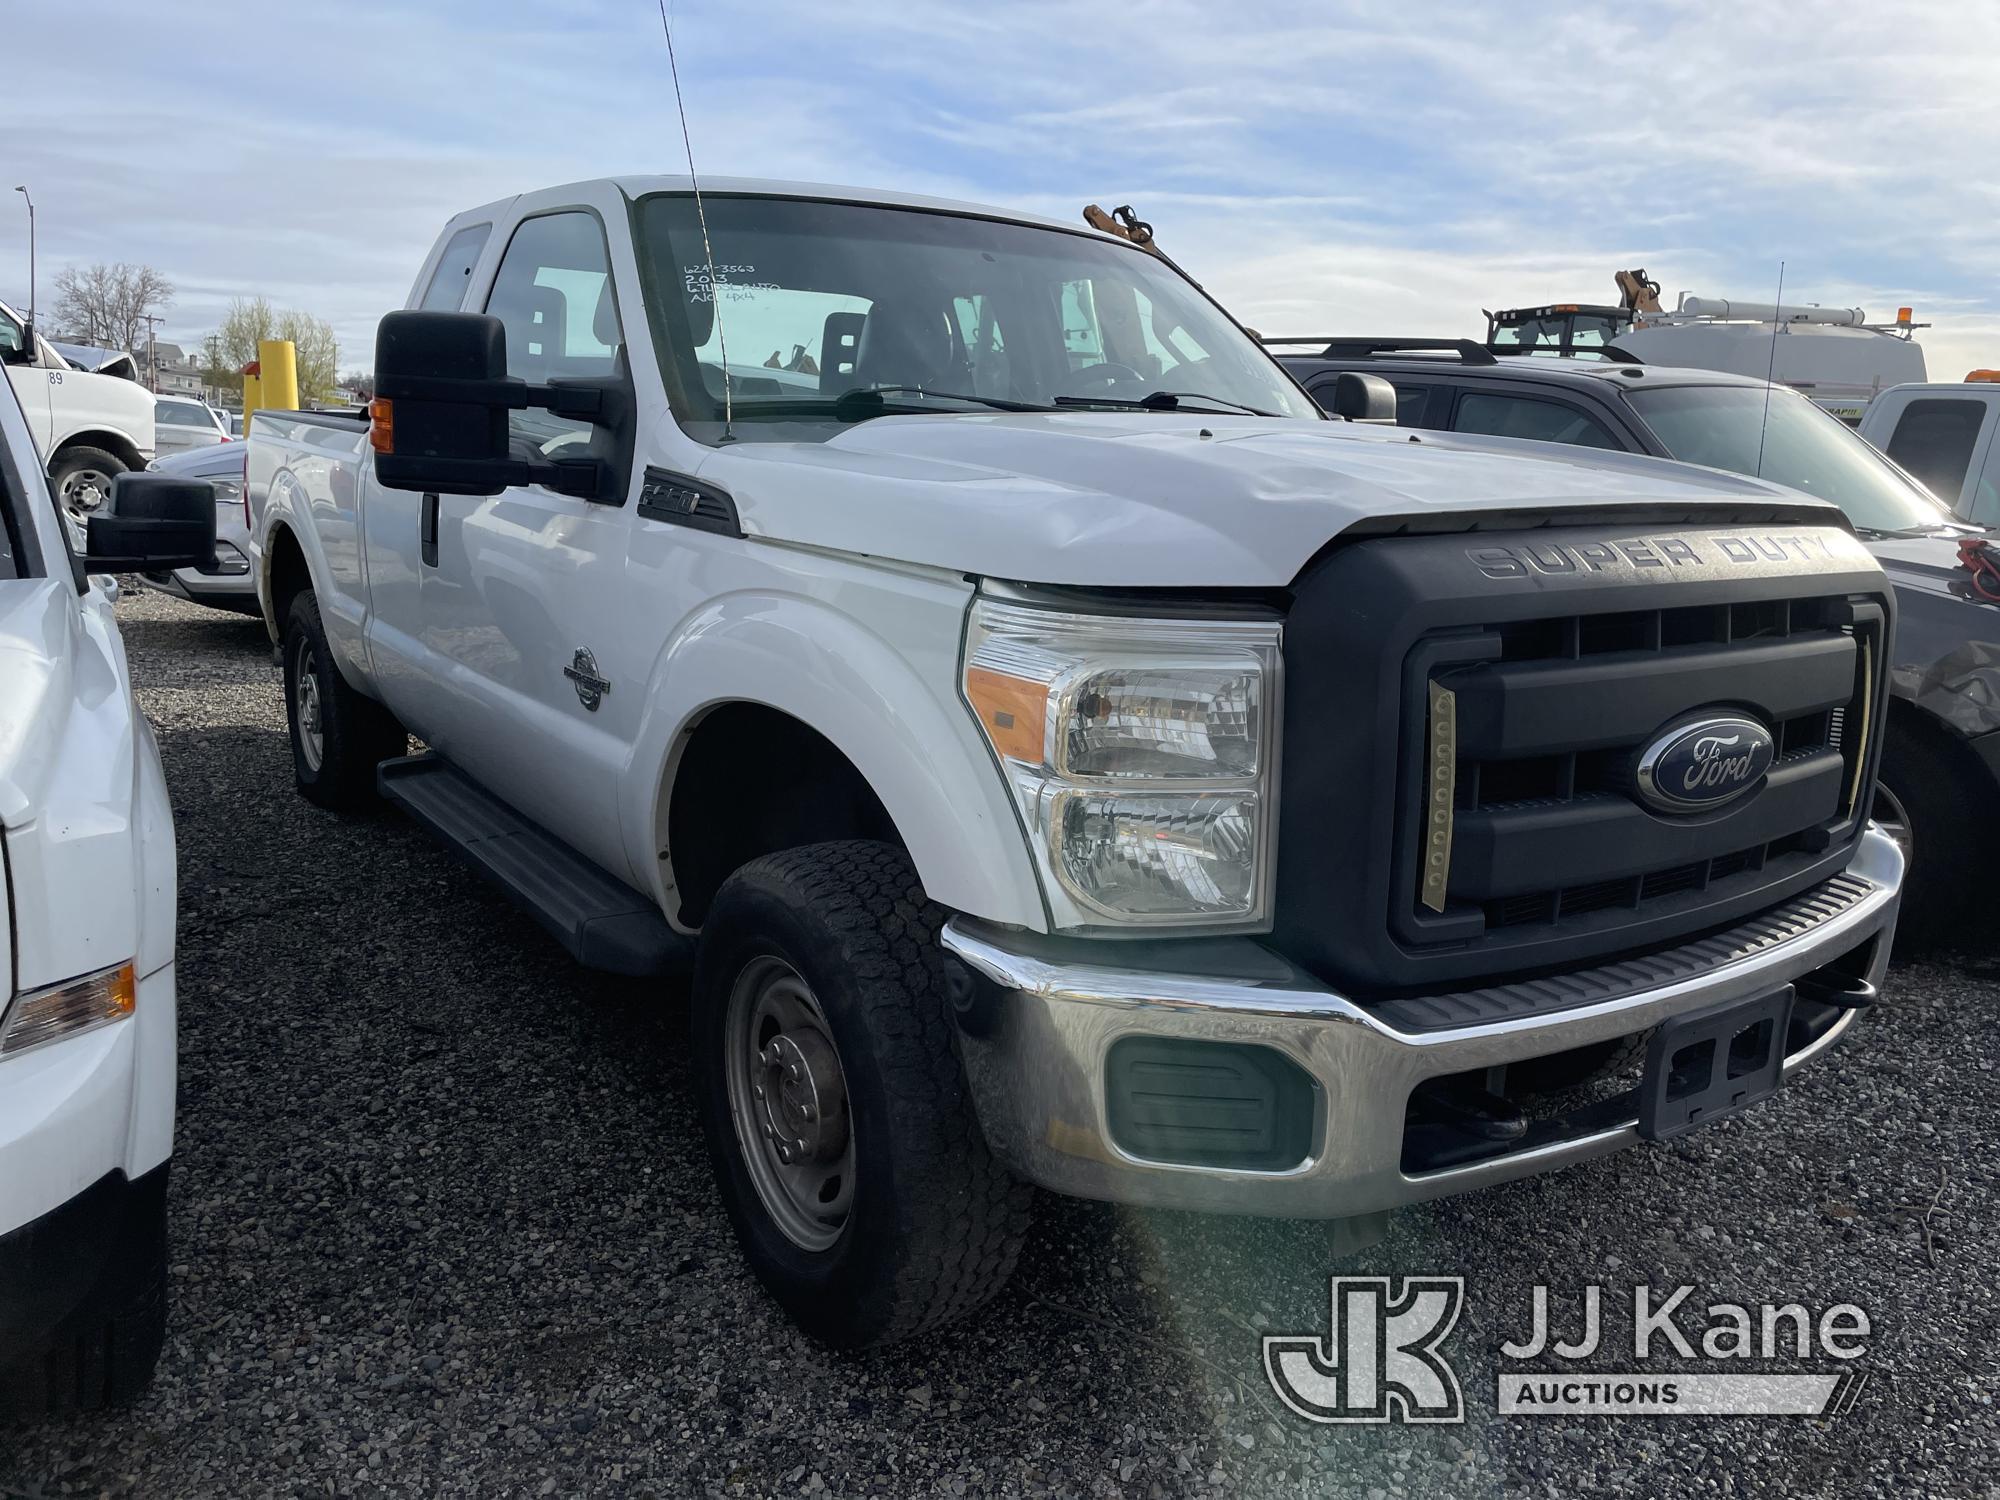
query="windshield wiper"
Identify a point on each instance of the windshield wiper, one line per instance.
(869, 396)
(862, 402)
(1166, 401)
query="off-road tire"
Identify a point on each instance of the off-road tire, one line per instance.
(936, 1224)
(356, 733)
(104, 1354)
(1947, 887)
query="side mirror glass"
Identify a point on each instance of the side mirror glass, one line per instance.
(155, 523)
(1364, 398)
(438, 423)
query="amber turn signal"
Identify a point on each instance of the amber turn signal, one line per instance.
(382, 425)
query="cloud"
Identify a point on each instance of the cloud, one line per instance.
(1370, 166)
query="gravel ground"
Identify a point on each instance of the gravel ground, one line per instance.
(443, 1225)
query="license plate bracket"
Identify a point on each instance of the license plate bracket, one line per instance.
(1714, 1062)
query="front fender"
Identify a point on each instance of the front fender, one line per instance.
(888, 707)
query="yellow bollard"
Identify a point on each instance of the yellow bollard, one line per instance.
(278, 374)
(253, 396)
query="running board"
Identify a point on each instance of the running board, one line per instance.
(602, 921)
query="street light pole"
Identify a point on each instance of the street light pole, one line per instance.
(31, 267)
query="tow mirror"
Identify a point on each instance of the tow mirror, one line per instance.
(1364, 398)
(155, 523)
(438, 422)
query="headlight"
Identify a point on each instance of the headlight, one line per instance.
(228, 491)
(1140, 752)
(67, 1009)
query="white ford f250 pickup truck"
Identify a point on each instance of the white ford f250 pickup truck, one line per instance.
(1065, 757)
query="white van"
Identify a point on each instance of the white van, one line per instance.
(87, 428)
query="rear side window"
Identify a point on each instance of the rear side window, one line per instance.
(1526, 417)
(446, 293)
(1934, 441)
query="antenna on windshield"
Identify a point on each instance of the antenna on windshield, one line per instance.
(1770, 372)
(701, 216)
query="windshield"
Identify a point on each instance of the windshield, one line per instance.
(1723, 427)
(1587, 333)
(820, 300)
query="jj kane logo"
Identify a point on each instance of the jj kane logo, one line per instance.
(1381, 1361)
(1382, 1358)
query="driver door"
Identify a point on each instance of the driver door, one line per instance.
(522, 594)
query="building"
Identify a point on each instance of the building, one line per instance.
(170, 372)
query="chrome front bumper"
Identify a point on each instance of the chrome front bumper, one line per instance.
(1036, 1041)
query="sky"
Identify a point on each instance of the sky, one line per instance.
(1365, 167)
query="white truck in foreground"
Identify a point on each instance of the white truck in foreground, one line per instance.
(87, 891)
(88, 428)
(1064, 757)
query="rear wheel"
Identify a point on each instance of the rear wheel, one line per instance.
(338, 736)
(845, 1145)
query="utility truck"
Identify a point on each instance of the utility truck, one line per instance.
(1064, 757)
(1834, 356)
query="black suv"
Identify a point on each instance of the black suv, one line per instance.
(1940, 788)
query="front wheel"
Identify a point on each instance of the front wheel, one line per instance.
(104, 1353)
(1934, 803)
(845, 1146)
(82, 479)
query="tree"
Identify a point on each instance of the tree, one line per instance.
(250, 321)
(361, 382)
(106, 306)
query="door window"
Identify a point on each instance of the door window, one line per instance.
(1934, 440)
(1526, 417)
(446, 293)
(553, 295)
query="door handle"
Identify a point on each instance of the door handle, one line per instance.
(427, 530)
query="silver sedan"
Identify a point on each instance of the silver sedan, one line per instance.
(229, 586)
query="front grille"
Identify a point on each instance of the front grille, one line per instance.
(1503, 791)
(1560, 653)
(1553, 713)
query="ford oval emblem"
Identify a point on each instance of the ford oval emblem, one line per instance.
(1693, 766)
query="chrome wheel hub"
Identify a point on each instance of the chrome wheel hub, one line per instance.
(788, 1100)
(306, 709)
(85, 491)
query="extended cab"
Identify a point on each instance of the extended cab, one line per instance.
(87, 890)
(1944, 434)
(1065, 757)
(88, 428)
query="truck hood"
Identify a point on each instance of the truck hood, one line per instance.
(72, 754)
(1157, 499)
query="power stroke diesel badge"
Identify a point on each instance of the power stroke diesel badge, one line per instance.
(1703, 763)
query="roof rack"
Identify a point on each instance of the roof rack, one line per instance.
(1468, 352)
(1609, 352)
